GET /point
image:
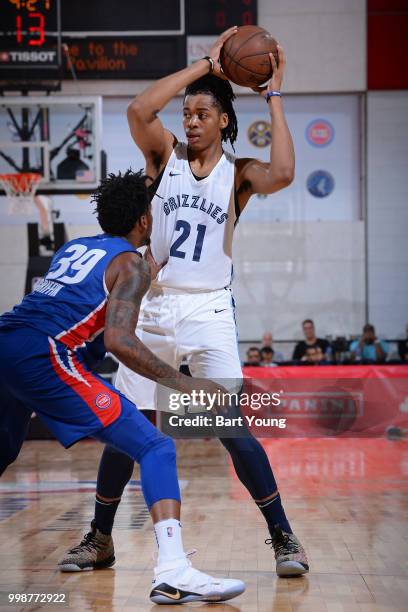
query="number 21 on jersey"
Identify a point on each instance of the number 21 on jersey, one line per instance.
(185, 229)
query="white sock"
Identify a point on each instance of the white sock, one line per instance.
(169, 541)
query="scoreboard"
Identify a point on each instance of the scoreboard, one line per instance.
(126, 39)
(30, 39)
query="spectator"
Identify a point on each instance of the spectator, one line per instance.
(253, 357)
(267, 342)
(314, 354)
(368, 348)
(267, 360)
(403, 346)
(299, 354)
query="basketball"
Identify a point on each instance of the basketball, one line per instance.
(244, 57)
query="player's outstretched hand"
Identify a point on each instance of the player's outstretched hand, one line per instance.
(275, 82)
(216, 50)
(154, 267)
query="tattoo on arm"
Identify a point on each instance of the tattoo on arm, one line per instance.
(121, 319)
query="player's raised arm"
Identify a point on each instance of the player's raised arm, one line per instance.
(147, 130)
(254, 176)
(128, 278)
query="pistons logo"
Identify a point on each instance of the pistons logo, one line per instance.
(320, 133)
(103, 401)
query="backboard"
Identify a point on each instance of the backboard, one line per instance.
(56, 136)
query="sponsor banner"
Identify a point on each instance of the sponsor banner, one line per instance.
(353, 401)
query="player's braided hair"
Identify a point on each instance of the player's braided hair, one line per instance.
(223, 96)
(121, 199)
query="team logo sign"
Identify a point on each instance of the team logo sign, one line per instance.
(260, 133)
(320, 133)
(320, 183)
(103, 401)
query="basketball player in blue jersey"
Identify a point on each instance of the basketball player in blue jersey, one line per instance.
(94, 287)
(188, 312)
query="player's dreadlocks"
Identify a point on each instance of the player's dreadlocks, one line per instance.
(121, 199)
(223, 96)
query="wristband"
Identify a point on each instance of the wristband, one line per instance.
(270, 94)
(211, 62)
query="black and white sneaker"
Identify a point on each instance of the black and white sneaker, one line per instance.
(178, 582)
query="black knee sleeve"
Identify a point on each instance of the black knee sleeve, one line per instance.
(115, 471)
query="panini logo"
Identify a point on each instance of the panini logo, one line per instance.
(322, 403)
(42, 57)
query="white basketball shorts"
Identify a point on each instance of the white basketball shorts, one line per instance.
(198, 327)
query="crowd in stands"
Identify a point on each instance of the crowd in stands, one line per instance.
(367, 349)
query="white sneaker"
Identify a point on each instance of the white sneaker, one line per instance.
(178, 582)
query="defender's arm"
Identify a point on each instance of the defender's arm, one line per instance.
(127, 279)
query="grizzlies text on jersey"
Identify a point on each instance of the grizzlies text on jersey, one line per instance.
(194, 223)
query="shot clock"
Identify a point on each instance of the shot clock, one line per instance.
(30, 49)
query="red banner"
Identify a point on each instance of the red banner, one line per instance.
(346, 401)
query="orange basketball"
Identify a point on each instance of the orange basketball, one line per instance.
(245, 56)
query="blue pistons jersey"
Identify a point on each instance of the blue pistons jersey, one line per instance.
(44, 367)
(69, 304)
(49, 341)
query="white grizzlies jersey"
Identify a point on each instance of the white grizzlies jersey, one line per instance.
(193, 224)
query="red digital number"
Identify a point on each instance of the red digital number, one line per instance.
(247, 18)
(37, 29)
(18, 29)
(220, 19)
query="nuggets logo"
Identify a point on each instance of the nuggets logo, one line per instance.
(260, 134)
(320, 133)
(103, 401)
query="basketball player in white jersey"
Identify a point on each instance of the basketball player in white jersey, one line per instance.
(199, 192)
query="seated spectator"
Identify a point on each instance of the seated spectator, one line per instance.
(267, 360)
(267, 342)
(253, 357)
(403, 346)
(368, 348)
(314, 354)
(311, 341)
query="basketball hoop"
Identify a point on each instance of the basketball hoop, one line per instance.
(20, 190)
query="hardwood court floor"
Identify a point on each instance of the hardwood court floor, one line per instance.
(347, 501)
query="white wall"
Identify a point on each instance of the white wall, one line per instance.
(325, 42)
(287, 272)
(387, 213)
